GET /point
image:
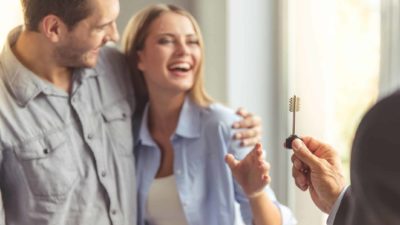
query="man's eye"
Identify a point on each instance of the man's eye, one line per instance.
(100, 28)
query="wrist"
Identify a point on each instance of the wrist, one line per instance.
(255, 196)
(333, 199)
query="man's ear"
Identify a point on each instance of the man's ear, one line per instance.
(53, 27)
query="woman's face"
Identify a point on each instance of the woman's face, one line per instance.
(171, 54)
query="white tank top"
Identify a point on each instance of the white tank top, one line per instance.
(163, 204)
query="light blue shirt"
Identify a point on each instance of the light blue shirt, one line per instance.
(206, 187)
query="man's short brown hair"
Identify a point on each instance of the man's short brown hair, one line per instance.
(69, 11)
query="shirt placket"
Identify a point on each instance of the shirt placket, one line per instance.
(94, 135)
(181, 175)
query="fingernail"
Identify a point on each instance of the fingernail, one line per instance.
(297, 144)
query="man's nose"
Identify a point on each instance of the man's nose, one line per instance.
(112, 34)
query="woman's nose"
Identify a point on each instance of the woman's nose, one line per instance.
(182, 49)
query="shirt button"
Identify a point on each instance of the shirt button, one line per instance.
(90, 136)
(114, 212)
(104, 174)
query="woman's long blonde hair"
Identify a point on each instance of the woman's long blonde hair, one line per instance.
(133, 40)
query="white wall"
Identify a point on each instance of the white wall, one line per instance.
(311, 54)
(253, 76)
(129, 7)
(242, 70)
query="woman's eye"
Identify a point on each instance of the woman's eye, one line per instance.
(193, 42)
(165, 41)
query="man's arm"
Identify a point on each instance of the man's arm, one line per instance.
(341, 208)
(2, 214)
(2, 217)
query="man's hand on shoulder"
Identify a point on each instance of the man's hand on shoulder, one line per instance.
(251, 125)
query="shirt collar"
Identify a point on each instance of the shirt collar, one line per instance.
(189, 120)
(188, 123)
(23, 83)
(144, 137)
(19, 79)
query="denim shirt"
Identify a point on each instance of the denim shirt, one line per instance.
(206, 187)
(67, 158)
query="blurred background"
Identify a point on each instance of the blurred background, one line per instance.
(338, 56)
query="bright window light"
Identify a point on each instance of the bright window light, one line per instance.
(10, 16)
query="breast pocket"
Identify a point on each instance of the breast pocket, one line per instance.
(118, 120)
(48, 165)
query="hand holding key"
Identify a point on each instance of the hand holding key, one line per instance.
(294, 106)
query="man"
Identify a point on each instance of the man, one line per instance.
(66, 142)
(374, 196)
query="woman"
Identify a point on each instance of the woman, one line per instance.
(184, 137)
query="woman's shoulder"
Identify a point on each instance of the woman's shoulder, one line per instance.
(217, 122)
(220, 114)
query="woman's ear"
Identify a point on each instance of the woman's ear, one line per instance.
(140, 63)
(53, 27)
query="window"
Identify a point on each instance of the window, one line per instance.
(10, 16)
(333, 53)
(355, 82)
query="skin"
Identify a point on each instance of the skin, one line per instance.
(252, 173)
(317, 168)
(55, 50)
(80, 47)
(171, 41)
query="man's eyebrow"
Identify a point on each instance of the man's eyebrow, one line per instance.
(104, 24)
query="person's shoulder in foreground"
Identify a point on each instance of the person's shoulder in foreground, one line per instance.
(375, 165)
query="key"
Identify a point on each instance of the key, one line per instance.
(294, 106)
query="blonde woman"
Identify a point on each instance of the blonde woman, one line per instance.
(184, 137)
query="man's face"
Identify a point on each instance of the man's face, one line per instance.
(80, 46)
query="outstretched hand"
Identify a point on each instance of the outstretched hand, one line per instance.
(252, 172)
(317, 167)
